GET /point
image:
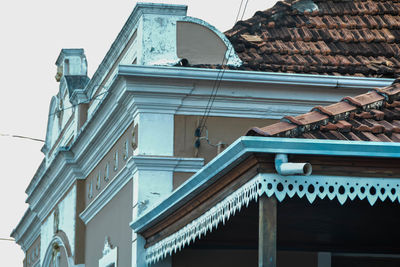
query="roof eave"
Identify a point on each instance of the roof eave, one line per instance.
(254, 76)
(244, 146)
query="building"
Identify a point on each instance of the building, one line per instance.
(120, 142)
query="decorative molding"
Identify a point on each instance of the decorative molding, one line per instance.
(110, 255)
(117, 112)
(253, 77)
(107, 246)
(233, 58)
(207, 222)
(27, 231)
(322, 186)
(168, 164)
(247, 145)
(342, 188)
(109, 191)
(134, 164)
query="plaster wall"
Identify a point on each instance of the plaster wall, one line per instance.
(67, 223)
(112, 221)
(198, 44)
(220, 129)
(159, 40)
(180, 178)
(155, 135)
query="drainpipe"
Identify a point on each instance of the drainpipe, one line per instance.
(283, 167)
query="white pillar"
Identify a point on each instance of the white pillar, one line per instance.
(155, 138)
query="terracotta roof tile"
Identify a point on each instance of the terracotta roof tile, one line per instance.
(359, 37)
(373, 116)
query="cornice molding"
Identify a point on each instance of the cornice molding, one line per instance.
(130, 94)
(27, 231)
(177, 91)
(134, 164)
(185, 73)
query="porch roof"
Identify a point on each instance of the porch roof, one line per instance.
(241, 149)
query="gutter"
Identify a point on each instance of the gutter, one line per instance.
(247, 145)
(239, 76)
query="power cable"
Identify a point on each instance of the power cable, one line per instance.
(217, 82)
(84, 102)
(7, 239)
(22, 137)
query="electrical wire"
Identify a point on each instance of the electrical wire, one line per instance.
(84, 102)
(23, 137)
(7, 239)
(220, 74)
(51, 114)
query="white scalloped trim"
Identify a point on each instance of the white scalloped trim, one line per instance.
(339, 187)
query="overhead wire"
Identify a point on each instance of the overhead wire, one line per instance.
(74, 105)
(218, 80)
(23, 137)
(51, 114)
(7, 239)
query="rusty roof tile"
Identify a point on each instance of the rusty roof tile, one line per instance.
(366, 117)
(345, 29)
(273, 129)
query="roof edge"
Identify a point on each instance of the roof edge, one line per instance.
(239, 151)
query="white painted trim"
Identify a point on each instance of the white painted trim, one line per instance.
(105, 196)
(230, 54)
(27, 231)
(133, 165)
(253, 77)
(118, 109)
(47, 256)
(168, 164)
(110, 255)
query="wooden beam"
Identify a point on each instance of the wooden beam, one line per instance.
(267, 232)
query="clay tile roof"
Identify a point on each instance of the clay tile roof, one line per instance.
(333, 37)
(373, 116)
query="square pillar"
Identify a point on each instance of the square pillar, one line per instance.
(267, 231)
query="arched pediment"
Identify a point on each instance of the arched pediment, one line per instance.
(59, 251)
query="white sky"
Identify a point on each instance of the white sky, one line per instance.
(32, 34)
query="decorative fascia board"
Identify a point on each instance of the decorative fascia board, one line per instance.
(246, 145)
(134, 164)
(321, 186)
(253, 77)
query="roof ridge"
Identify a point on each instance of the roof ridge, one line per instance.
(347, 108)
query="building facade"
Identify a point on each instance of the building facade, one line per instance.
(121, 141)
